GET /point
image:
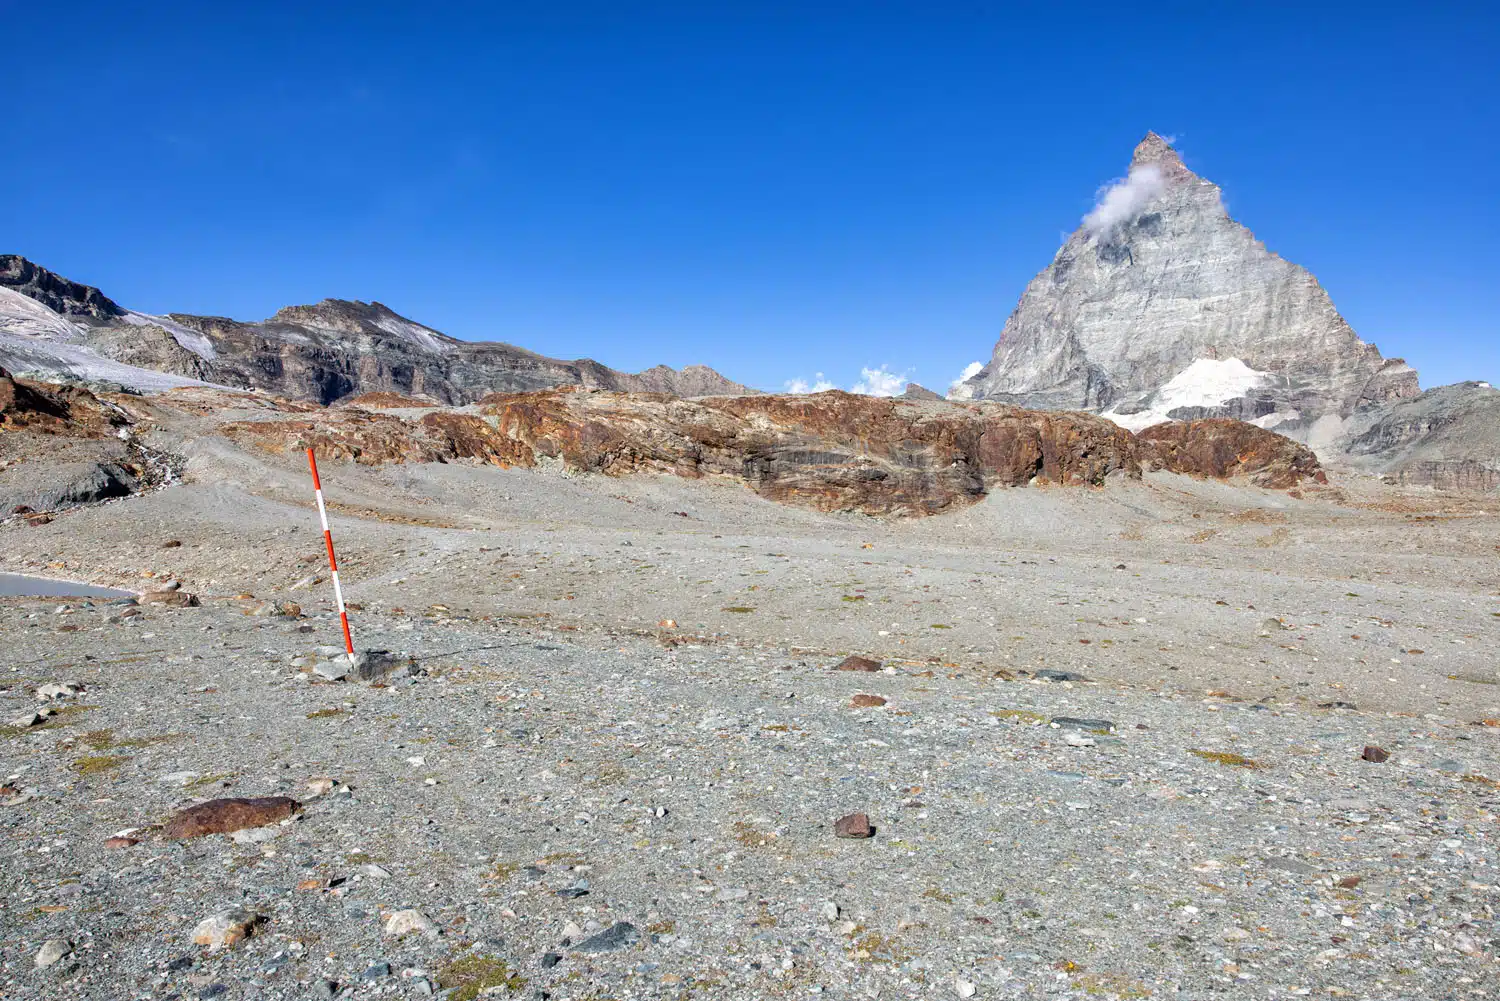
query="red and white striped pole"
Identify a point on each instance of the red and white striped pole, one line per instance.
(333, 564)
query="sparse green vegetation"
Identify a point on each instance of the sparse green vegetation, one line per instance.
(1226, 758)
(469, 976)
(97, 764)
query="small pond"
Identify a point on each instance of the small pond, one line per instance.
(14, 585)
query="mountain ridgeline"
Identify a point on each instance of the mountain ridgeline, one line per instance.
(322, 352)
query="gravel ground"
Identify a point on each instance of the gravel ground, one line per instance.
(597, 775)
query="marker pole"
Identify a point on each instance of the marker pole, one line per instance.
(333, 564)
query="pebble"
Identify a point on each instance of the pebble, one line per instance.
(615, 937)
(964, 988)
(51, 951)
(331, 670)
(731, 895)
(58, 690)
(858, 663)
(325, 990)
(224, 929)
(1048, 674)
(225, 816)
(409, 922)
(854, 825)
(378, 971)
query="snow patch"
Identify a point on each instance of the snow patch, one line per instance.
(188, 338)
(1207, 382)
(23, 316)
(43, 359)
(1270, 421)
(413, 333)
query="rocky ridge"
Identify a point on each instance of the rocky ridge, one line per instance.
(1160, 306)
(322, 352)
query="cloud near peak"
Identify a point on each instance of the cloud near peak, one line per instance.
(1124, 199)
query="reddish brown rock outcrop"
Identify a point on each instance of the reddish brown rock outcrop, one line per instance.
(829, 451)
(1224, 448)
(225, 816)
(52, 409)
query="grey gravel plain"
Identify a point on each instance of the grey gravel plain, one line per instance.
(612, 754)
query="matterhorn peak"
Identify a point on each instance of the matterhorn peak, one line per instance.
(1162, 307)
(1157, 151)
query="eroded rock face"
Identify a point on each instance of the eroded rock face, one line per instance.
(1221, 448)
(1166, 286)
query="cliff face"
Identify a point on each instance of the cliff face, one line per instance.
(1160, 306)
(322, 352)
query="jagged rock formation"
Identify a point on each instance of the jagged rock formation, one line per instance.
(829, 451)
(323, 352)
(1160, 306)
(1447, 438)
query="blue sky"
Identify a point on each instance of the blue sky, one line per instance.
(776, 190)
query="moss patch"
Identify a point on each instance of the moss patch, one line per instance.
(97, 764)
(470, 976)
(1227, 758)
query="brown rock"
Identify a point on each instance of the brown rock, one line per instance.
(222, 930)
(121, 842)
(866, 702)
(1224, 448)
(1348, 882)
(225, 816)
(172, 544)
(1375, 754)
(170, 599)
(858, 663)
(855, 825)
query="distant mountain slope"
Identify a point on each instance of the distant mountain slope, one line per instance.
(1160, 306)
(1448, 438)
(321, 352)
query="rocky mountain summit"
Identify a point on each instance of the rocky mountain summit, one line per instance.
(1160, 306)
(51, 326)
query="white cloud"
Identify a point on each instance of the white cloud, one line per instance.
(872, 382)
(1124, 199)
(957, 390)
(818, 385)
(880, 382)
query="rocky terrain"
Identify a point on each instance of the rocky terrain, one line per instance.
(1168, 736)
(1160, 306)
(829, 451)
(52, 326)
